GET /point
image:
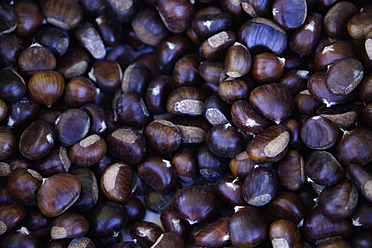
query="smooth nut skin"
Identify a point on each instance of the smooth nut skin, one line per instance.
(36, 58)
(169, 240)
(107, 74)
(210, 165)
(247, 227)
(163, 136)
(172, 223)
(359, 25)
(361, 179)
(11, 215)
(127, 144)
(290, 171)
(37, 140)
(158, 173)
(216, 46)
(65, 14)
(186, 202)
(146, 233)
(69, 225)
(274, 101)
(46, 87)
(72, 126)
(319, 133)
(27, 23)
(9, 18)
(135, 210)
(284, 233)
(215, 234)
(8, 142)
(23, 185)
(335, 20)
(107, 218)
(88, 151)
(157, 93)
(355, 147)
(176, 14)
(13, 86)
(338, 201)
(233, 89)
(117, 182)
(57, 193)
(20, 237)
(344, 75)
(224, 141)
(270, 145)
(322, 168)
(136, 77)
(229, 190)
(80, 90)
(186, 100)
(267, 67)
(290, 14)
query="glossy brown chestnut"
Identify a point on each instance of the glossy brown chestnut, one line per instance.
(11, 215)
(9, 18)
(135, 78)
(305, 103)
(172, 223)
(214, 235)
(106, 219)
(127, 144)
(10, 47)
(216, 110)
(285, 233)
(362, 179)
(323, 168)
(229, 190)
(359, 25)
(210, 166)
(117, 182)
(55, 39)
(29, 17)
(290, 14)
(355, 146)
(185, 164)
(261, 35)
(130, 109)
(57, 193)
(69, 225)
(57, 161)
(186, 203)
(36, 58)
(319, 133)
(274, 101)
(146, 233)
(209, 21)
(135, 210)
(163, 136)
(88, 151)
(157, 93)
(74, 63)
(157, 201)
(186, 100)
(8, 142)
(186, 71)
(335, 20)
(233, 89)
(72, 126)
(13, 86)
(176, 15)
(20, 237)
(109, 31)
(167, 240)
(65, 14)
(216, 46)
(247, 227)
(23, 185)
(270, 145)
(224, 141)
(107, 74)
(80, 90)
(212, 71)
(97, 118)
(267, 67)
(290, 171)
(46, 87)
(21, 113)
(256, 8)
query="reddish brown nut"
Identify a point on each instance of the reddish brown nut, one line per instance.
(163, 136)
(88, 151)
(65, 14)
(267, 67)
(80, 90)
(285, 233)
(186, 100)
(57, 194)
(238, 60)
(107, 74)
(176, 14)
(69, 225)
(216, 46)
(11, 215)
(36, 58)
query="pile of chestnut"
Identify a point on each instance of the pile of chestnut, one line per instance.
(233, 123)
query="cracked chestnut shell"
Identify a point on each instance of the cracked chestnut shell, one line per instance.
(57, 193)
(186, 203)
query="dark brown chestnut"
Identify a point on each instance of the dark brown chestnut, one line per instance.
(10, 47)
(20, 237)
(65, 14)
(185, 164)
(8, 143)
(29, 17)
(13, 86)
(362, 179)
(358, 25)
(212, 71)
(107, 74)
(270, 145)
(247, 227)
(355, 146)
(290, 171)
(88, 151)
(216, 46)
(319, 133)
(158, 173)
(224, 141)
(186, 71)
(135, 78)
(285, 233)
(274, 101)
(215, 234)
(172, 223)
(74, 63)
(69, 225)
(55, 39)
(157, 93)
(176, 15)
(11, 215)
(167, 240)
(135, 210)
(97, 118)
(186, 100)
(256, 8)
(57, 194)
(127, 144)
(72, 126)
(9, 18)
(267, 67)
(46, 87)
(23, 185)
(335, 20)
(36, 58)
(210, 166)
(122, 11)
(233, 89)
(83, 242)
(290, 14)
(80, 90)
(157, 201)
(163, 136)
(208, 21)
(117, 182)
(146, 233)
(186, 203)
(229, 190)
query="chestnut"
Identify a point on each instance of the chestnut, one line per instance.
(361, 179)
(212, 71)
(358, 25)
(57, 161)
(186, 100)
(216, 46)
(224, 141)
(163, 136)
(72, 126)
(136, 77)
(29, 17)
(176, 15)
(290, 171)
(11, 215)
(36, 58)
(267, 67)
(89, 189)
(233, 89)
(46, 87)
(305, 103)
(135, 210)
(157, 201)
(335, 20)
(247, 227)
(270, 145)
(229, 190)
(207, 22)
(157, 93)
(3, 110)
(210, 165)
(21, 113)
(184, 162)
(97, 118)
(186, 203)
(274, 101)
(186, 71)
(9, 18)
(106, 218)
(8, 143)
(83, 242)
(57, 194)
(319, 133)
(74, 63)
(355, 146)
(88, 151)
(285, 233)
(55, 39)
(215, 234)
(127, 144)
(69, 225)
(109, 31)
(117, 182)
(13, 86)
(121, 10)
(168, 240)
(146, 233)
(89, 37)
(37, 223)
(65, 14)
(216, 110)
(107, 74)
(80, 90)
(21, 237)
(10, 47)
(172, 223)
(23, 185)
